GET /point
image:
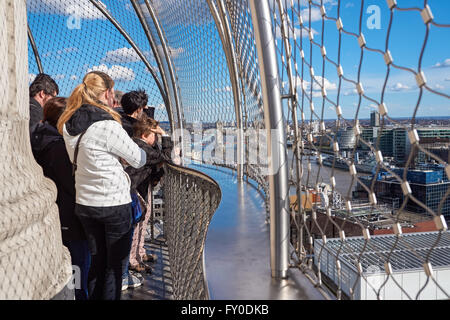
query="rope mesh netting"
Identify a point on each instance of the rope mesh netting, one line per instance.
(320, 79)
(327, 57)
(33, 262)
(74, 37)
(198, 56)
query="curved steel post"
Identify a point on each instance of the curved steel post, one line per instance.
(147, 32)
(127, 37)
(171, 72)
(293, 94)
(35, 50)
(224, 31)
(276, 138)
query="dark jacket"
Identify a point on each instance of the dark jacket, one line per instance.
(127, 123)
(36, 113)
(150, 173)
(50, 153)
(84, 117)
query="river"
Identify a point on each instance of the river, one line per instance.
(343, 177)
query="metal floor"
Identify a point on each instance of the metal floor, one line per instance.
(157, 285)
(237, 253)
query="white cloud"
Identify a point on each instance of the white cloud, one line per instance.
(160, 107)
(303, 3)
(351, 92)
(117, 73)
(225, 89)
(73, 77)
(57, 54)
(444, 64)
(83, 9)
(315, 15)
(439, 86)
(175, 52)
(31, 77)
(305, 33)
(59, 77)
(121, 55)
(350, 5)
(317, 89)
(400, 87)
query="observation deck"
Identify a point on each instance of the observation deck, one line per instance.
(253, 73)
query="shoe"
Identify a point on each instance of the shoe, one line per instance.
(131, 282)
(137, 275)
(149, 258)
(138, 267)
(147, 267)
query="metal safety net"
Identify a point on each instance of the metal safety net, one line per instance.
(190, 203)
(33, 262)
(250, 84)
(199, 60)
(339, 62)
(75, 37)
(353, 58)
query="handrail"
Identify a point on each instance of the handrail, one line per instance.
(191, 198)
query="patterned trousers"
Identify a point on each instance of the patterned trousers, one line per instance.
(137, 247)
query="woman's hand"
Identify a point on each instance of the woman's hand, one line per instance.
(159, 131)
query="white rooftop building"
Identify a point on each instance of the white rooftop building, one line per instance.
(364, 267)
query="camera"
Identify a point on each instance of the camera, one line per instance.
(150, 112)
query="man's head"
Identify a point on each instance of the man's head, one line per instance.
(145, 129)
(43, 89)
(134, 102)
(117, 99)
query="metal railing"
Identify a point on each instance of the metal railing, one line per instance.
(190, 198)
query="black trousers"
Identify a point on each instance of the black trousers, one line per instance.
(108, 230)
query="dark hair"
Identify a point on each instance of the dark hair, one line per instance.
(43, 82)
(134, 100)
(53, 109)
(144, 126)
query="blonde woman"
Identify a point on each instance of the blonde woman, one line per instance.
(97, 145)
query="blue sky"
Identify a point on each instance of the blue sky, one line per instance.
(406, 40)
(67, 57)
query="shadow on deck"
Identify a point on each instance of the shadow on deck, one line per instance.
(237, 252)
(158, 285)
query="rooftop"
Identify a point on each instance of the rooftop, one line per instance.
(406, 253)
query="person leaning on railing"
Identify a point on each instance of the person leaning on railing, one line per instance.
(96, 144)
(146, 131)
(133, 104)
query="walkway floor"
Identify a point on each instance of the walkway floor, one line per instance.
(157, 286)
(237, 253)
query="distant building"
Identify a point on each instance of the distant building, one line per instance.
(346, 139)
(394, 142)
(429, 185)
(362, 268)
(374, 119)
(400, 145)
(436, 146)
